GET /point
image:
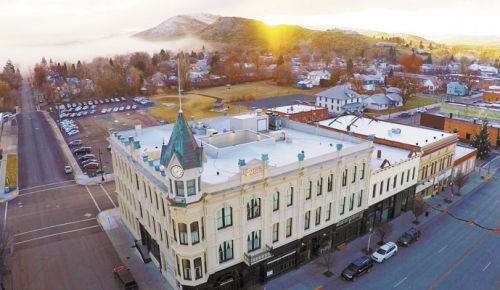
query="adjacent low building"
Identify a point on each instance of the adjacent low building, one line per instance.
(381, 101)
(301, 113)
(492, 94)
(435, 148)
(456, 89)
(221, 203)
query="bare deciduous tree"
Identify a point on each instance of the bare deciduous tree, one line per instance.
(383, 230)
(419, 207)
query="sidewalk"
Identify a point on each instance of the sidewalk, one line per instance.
(146, 275)
(309, 276)
(8, 144)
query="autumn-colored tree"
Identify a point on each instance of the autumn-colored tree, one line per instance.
(135, 80)
(39, 75)
(4, 89)
(411, 63)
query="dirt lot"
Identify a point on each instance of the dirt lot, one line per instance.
(94, 130)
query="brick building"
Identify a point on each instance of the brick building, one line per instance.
(465, 127)
(491, 95)
(301, 113)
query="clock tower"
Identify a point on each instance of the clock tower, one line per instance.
(183, 160)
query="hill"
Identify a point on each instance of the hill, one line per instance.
(178, 27)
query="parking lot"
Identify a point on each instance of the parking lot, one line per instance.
(87, 125)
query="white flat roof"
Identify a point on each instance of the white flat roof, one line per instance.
(295, 109)
(461, 151)
(280, 153)
(392, 154)
(384, 130)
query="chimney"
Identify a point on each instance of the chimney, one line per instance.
(379, 154)
(451, 115)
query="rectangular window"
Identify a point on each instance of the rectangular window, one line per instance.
(381, 187)
(318, 215)
(402, 177)
(360, 198)
(253, 241)
(276, 201)
(195, 233)
(191, 187)
(224, 217)
(276, 232)
(395, 181)
(289, 196)
(344, 178)
(408, 175)
(354, 174)
(308, 189)
(198, 272)
(186, 269)
(342, 206)
(363, 172)
(253, 208)
(374, 190)
(307, 219)
(413, 174)
(226, 251)
(288, 227)
(328, 211)
(351, 202)
(319, 186)
(330, 183)
(179, 188)
(388, 184)
(183, 235)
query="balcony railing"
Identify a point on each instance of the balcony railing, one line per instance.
(259, 257)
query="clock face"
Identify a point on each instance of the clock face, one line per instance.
(177, 171)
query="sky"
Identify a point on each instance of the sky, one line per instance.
(35, 23)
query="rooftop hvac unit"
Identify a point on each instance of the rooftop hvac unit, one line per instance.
(211, 132)
(396, 131)
(278, 135)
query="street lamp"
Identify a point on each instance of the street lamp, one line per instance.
(100, 165)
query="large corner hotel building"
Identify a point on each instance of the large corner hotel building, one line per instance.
(239, 199)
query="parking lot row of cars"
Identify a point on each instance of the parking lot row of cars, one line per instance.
(69, 127)
(143, 101)
(74, 110)
(86, 159)
(364, 264)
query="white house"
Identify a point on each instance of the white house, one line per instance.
(317, 75)
(340, 99)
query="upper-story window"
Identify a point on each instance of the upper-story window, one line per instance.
(289, 196)
(198, 272)
(318, 215)
(363, 172)
(319, 186)
(276, 231)
(330, 183)
(354, 173)
(183, 235)
(195, 233)
(224, 217)
(225, 251)
(191, 187)
(342, 205)
(186, 269)
(360, 198)
(276, 201)
(253, 208)
(307, 220)
(179, 188)
(308, 189)
(253, 241)
(351, 202)
(288, 230)
(328, 211)
(344, 178)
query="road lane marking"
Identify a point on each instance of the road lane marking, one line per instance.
(4, 228)
(53, 183)
(93, 199)
(53, 226)
(399, 283)
(442, 249)
(57, 234)
(48, 189)
(486, 267)
(107, 194)
(458, 262)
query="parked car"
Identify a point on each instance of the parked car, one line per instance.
(386, 251)
(68, 169)
(86, 157)
(75, 143)
(123, 99)
(115, 109)
(82, 150)
(357, 268)
(92, 165)
(85, 162)
(421, 110)
(404, 115)
(124, 277)
(410, 236)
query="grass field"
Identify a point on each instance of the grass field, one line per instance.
(413, 102)
(192, 105)
(253, 90)
(11, 177)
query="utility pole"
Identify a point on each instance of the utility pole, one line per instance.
(368, 250)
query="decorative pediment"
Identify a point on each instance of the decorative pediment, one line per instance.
(385, 164)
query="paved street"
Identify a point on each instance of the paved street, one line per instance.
(58, 242)
(450, 255)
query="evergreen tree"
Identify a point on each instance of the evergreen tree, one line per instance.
(481, 142)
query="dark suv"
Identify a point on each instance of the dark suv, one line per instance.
(357, 268)
(409, 237)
